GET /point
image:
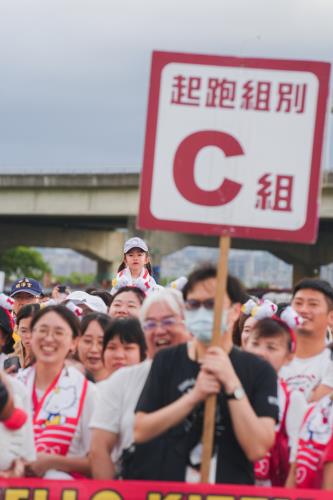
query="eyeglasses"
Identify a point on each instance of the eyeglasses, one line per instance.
(165, 323)
(44, 333)
(193, 305)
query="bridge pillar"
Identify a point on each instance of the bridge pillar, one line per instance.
(105, 270)
(106, 247)
(302, 270)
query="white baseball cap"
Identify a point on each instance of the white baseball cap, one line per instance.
(92, 301)
(135, 242)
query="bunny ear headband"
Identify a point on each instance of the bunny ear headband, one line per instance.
(293, 320)
(267, 309)
(263, 308)
(121, 281)
(178, 284)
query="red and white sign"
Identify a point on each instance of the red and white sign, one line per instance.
(233, 146)
(43, 489)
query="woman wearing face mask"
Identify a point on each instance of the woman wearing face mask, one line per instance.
(170, 411)
(61, 398)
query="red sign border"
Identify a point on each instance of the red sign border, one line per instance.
(308, 232)
(90, 489)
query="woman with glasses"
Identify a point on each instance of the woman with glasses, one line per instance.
(162, 319)
(61, 398)
(123, 344)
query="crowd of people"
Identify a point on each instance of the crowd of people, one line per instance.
(112, 384)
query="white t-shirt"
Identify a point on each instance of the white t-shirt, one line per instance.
(18, 443)
(305, 374)
(117, 397)
(295, 415)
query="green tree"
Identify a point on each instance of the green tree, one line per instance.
(23, 261)
(76, 279)
(262, 284)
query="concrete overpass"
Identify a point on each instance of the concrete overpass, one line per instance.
(93, 214)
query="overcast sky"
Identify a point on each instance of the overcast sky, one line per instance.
(75, 73)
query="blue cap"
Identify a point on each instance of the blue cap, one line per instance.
(26, 285)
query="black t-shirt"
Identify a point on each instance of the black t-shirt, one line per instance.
(172, 374)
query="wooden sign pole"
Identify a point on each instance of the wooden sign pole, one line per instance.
(210, 405)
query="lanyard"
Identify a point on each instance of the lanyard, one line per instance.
(39, 404)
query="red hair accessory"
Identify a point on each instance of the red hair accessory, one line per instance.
(291, 332)
(10, 317)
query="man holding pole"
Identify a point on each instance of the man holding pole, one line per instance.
(170, 409)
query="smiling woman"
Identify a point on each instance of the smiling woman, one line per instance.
(23, 322)
(90, 344)
(61, 398)
(126, 302)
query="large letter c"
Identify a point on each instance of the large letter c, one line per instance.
(183, 168)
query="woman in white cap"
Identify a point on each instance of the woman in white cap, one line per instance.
(135, 270)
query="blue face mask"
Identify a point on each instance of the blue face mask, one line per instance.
(200, 323)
